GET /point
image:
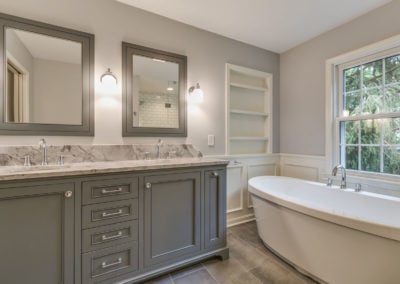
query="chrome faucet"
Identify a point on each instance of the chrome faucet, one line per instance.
(43, 146)
(343, 171)
(159, 144)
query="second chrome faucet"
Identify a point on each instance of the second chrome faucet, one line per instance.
(159, 144)
(343, 171)
(43, 147)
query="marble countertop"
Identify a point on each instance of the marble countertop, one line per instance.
(9, 173)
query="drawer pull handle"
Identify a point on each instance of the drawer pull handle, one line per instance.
(148, 185)
(106, 265)
(108, 191)
(105, 214)
(215, 174)
(68, 194)
(107, 238)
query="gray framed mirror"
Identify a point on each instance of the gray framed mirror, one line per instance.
(154, 87)
(46, 79)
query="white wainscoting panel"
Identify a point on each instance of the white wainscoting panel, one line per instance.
(240, 169)
(300, 171)
(303, 166)
(235, 187)
(263, 169)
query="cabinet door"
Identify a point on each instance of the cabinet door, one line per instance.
(171, 216)
(215, 208)
(37, 234)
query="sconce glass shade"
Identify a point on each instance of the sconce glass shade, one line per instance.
(170, 87)
(196, 95)
(108, 79)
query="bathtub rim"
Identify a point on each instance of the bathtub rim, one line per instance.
(377, 229)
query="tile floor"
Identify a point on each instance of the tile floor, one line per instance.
(249, 262)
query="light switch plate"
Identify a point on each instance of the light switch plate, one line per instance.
(211, 140)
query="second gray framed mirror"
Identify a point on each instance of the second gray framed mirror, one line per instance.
(154, 88)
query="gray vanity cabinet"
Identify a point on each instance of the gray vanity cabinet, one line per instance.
(172, 217)
(214, 208)
(113, 228)
(37, 233)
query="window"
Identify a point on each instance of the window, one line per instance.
(368, 113)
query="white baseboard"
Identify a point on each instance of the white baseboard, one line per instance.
(240, 220)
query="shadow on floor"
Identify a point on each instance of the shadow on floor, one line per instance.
(249, 262)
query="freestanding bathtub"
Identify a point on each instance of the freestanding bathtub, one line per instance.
(333, 235)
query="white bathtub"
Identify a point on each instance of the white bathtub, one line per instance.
(335, 236)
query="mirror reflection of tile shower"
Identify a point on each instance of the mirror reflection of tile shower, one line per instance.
(155, 91)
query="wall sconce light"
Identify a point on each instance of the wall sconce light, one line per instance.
(108, 79)
(170, 87)
(196, 95)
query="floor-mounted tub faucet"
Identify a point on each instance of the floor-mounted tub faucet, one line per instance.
(159, 144)
(343, 171)
(43, 146)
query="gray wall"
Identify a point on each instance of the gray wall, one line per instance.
(302, 96)
(57, 92)
(112, 22)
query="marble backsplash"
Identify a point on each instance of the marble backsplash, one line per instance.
(15, 155)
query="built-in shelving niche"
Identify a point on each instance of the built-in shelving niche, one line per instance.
(249, 111)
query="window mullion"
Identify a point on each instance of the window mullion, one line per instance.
(341, 158)
(383, 84)
(383, 107)
(361, 110)
(369, 116)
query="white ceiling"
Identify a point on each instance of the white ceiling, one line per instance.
(147, 67)
(275, 25)
(50, 48)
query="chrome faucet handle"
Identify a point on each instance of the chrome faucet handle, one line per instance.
(60, 160)
(42, 143)
(171, 154)
(329, 182)
(357, 187)
(27, 161)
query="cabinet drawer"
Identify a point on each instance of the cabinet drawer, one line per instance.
(103, 264)
(110, 235)
(109, 190)
(109, 213)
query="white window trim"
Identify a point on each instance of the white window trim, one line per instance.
(331, 102)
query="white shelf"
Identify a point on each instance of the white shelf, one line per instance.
(249, 111)
(239, 138)
(246, 112)
(249, 87)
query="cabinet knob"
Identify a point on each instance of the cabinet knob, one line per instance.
(214, 174)
(68, 194)
(148, 185)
